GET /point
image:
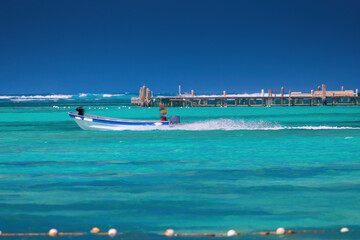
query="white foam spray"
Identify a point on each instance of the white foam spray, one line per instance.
(222, 124)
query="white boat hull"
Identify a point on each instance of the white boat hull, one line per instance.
(91, 122)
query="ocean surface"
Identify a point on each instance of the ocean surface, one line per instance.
(248, 169)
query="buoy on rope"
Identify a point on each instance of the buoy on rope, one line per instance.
(280, 230)
(112, 232)
(169, 232)
(95, 230)
(231, 233)
(53, 232)
(344, 229)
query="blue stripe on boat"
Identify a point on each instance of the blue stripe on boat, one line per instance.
(118, 122)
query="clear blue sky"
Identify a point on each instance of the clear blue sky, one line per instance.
(72, 46)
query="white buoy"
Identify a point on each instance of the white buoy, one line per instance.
(169, 232)
(107, 108)
(53, 232)
(95, 230)
(129, 107)
(280, 230)
(231, 233)
(0, 233)
(344, 229)
(118, 107)
(112, 232)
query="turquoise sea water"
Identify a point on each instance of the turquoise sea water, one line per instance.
(248, 169)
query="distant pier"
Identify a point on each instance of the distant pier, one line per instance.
(320, 97)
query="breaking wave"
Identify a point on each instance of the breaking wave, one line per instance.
(57, 97)
(112, 95)
(54, 97)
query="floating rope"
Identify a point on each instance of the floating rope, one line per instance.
(279, 231)
(54, 232)
(169, 232)
(42, 234)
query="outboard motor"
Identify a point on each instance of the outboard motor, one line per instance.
(175, 120)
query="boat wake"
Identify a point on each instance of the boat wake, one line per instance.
(228, 125)
(225, 125)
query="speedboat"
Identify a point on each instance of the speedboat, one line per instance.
(92, 122)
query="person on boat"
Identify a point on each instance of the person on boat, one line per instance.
(163, 112)
(80, 110)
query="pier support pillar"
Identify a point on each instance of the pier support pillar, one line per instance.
(275, 96)
(289, 97)
(323, 94)
(147, 97)
(142, 96)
